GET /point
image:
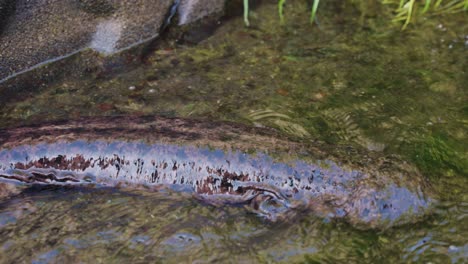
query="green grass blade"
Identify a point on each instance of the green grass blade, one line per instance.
(426, 6)
(452, 7)
(410, 12)
(246, 12)
(402, 3)
(280, 10)
(314, 11)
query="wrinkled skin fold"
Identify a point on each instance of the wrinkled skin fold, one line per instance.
(220, 163)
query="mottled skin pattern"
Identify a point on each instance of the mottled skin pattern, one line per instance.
(220, 163)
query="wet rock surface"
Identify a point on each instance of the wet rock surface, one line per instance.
(38, 32)
(220, 163)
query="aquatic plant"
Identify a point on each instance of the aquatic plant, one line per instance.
(405, 11)
(408, 8)
(246, 12)
(313, 12)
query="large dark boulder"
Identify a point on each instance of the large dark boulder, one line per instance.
(39, 32)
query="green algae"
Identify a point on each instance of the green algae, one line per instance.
(436, 156)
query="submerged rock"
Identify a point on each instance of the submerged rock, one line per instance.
(220, 163)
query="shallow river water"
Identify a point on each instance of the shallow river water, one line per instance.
(352, 79)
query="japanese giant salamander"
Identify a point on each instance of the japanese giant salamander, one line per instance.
(220, 163)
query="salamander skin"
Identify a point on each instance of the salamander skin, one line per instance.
(220, 163)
